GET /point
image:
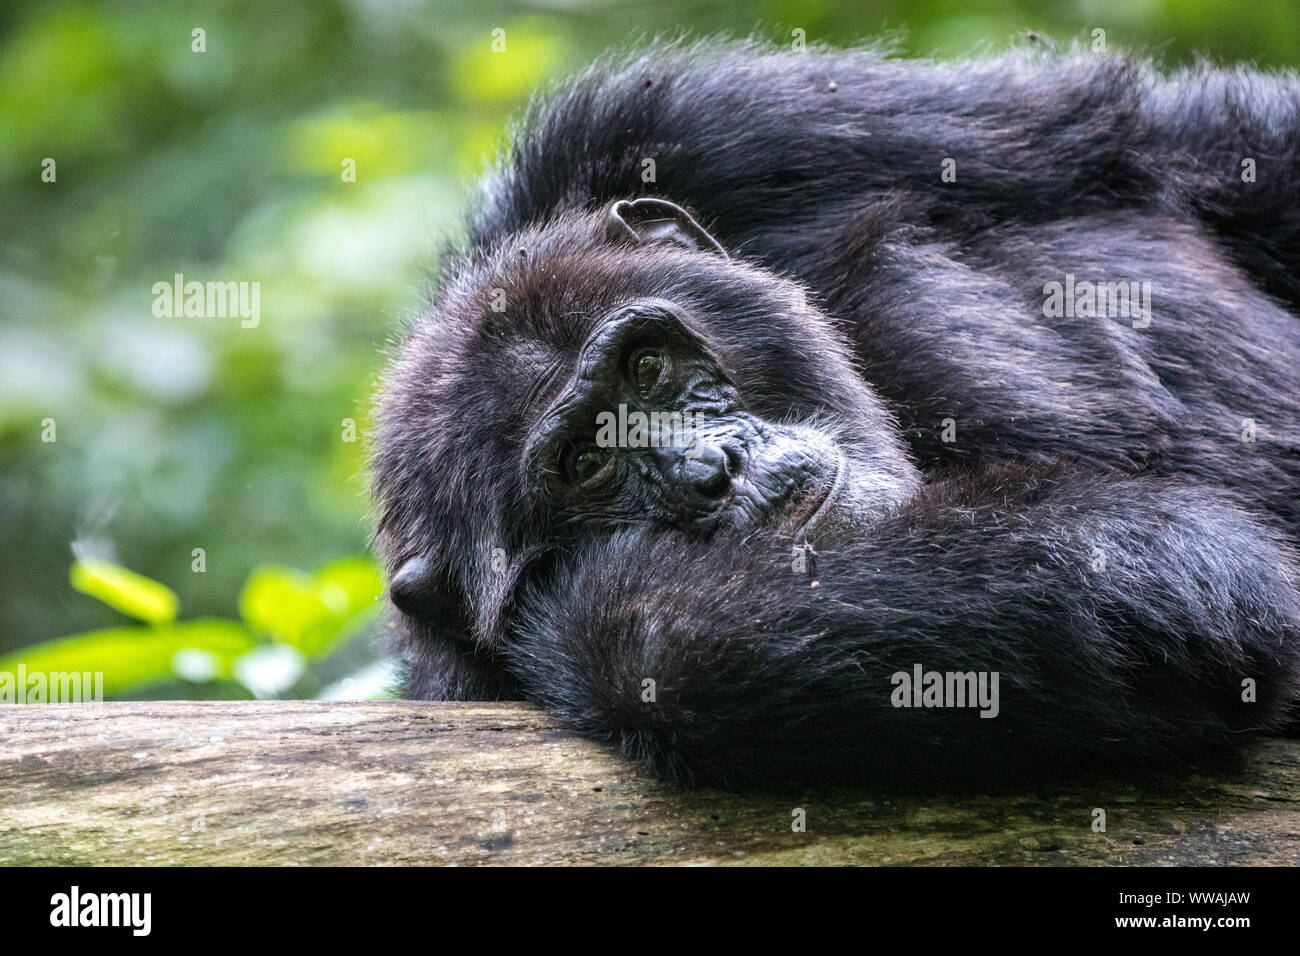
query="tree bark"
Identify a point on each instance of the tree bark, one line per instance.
(398, 782)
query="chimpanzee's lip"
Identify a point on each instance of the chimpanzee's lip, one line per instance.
(820, 503)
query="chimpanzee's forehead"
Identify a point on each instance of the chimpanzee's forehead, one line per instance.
(508, 369)
(530, 371)
(545, 311)
(516, 323)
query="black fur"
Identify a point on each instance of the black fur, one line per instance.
(853, 262)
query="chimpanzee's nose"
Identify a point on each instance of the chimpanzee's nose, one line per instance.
(707, 472)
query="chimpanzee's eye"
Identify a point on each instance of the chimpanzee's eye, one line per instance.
(590, 465)
(648, 369)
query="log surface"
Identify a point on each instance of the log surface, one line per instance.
(398, 782)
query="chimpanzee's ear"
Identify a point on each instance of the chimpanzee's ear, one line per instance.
(420, 589)
(658, 220)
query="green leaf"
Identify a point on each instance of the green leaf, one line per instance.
(312, 612)
(132, 594)
(351, 585)
(281, 602)
(133, 657)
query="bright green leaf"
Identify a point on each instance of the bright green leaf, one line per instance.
(281, 602)
(133, 657)
(132, 594)
(313, 612)
(358, 578)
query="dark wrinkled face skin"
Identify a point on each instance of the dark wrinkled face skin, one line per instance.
(649, 426)
(614, 383)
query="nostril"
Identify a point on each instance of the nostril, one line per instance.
(734, 460)
(714, 485)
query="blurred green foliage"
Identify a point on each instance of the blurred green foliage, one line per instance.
(289, 622)
(174, 434)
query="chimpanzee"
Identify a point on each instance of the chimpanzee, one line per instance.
(827, 415)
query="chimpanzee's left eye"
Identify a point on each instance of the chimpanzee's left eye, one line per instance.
(648, 369)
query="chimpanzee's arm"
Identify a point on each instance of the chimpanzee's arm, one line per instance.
(1128, 622)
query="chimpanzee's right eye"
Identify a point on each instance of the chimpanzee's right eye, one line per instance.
(589, 465)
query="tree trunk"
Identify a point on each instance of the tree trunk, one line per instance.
(396, 782)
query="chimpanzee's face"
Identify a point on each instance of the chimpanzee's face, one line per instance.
(647, 424)
(583, 381)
